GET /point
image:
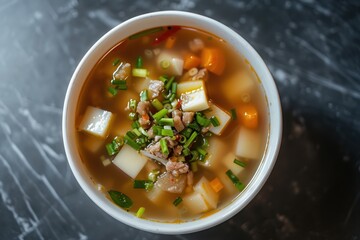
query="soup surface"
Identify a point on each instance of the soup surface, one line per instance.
(172, 124)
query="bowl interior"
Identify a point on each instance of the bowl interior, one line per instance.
(133, 26)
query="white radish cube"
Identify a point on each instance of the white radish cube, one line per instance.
(215, 153)
(237, 85)
(96, 121)
(221, 115)
(211, 197)
(228, 161)
(195, 203)
(156, 195)
(189, 86)
(170, 64)
(141, 84)
(130, 161)
(194, 101)
(248, 144)
(229, 186)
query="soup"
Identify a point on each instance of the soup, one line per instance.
(172, 124)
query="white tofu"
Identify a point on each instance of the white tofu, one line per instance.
(129, 161)
(175, 64)
(195, 203)
(96, 121)
(223, 117)
(240, 83)
(194, 101)
(211, 197)
(228, 161)
(189, 86)
(248, 144)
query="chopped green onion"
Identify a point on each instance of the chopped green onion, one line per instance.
(156, 129)
(160, 114)
(121, 87)
(132, 104)
(194, 166)
(194, 126)
(233, 114)
(167, 95)
(153, 175)
(118, 82)
(131, 143)
(167, 132)
(116, 62)
(187, 132)
(139, 72)
(143, 132)
(195, 156)
(239, 185)
(110, 148)
(165, 64)
(174, 87)
(140, 212)
(177, 201)
(157, 104)
(166, 102)
(163, 79)
(133, 116)
(167, 106)
(201, 151)
(139, 62)
(202, 120)
(113, 91)
(169, 83)
(191, 139)
(142, 183)
(146, 32)
(186, 151)
(144, 95)
(240, 163)
(120, 199)
(205, 143)
(135, 124)
(172, 97)
(182, 139)
(214, 121)
(137, 132)
(167, 121)
(163, 145)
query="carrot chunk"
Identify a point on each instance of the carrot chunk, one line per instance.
(170, 42)
(248, 115)
(216, 185)
(213, 59)
(191, 61)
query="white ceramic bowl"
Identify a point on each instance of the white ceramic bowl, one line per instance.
(133, 26)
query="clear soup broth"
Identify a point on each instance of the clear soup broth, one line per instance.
(172, 124)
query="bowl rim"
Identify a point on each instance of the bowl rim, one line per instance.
(147, 21)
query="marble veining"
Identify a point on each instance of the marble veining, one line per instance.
(312, 50)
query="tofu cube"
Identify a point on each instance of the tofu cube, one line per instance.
(194, 101)
(210, 196)
(248, 144)
(129, 161)
(96, 121)
(195, 203)
(221, 115)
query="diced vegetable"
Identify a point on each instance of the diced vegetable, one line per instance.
(213, 153)
(170, 42)
(177, 201)
(116, 62)
(228, 161)
(189, 86)
(129, 161)
(211, 197)
(120, 199)
(139, 62)
(163, 145)
(194, 101)
(248, 144)
(213, 59)
(222, 116)
(240, 163)
(191, 61)
(160, 114)
(156, 195)
(195, 203)
(239, 185)
(140, 212)
(157, 104)
(170, 64)
(216, 185)
(248, 115)
(233, 114)
(244, 82)
(139, 72)
(96, 121)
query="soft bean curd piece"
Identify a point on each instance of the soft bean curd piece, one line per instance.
(222, 117)
(129, 161)
(96, 121)
(248, 144)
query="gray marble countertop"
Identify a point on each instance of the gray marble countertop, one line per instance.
(312, 49)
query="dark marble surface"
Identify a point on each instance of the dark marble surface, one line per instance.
(312, 49)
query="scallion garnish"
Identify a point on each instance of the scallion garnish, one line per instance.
(156, 129)
(172, 97)
(153, 175)
(190, 140)
(120, 199)
(186, 152)
(239, 185)
(146, 32)
(143, 132)
(118, 82)
(187, 132)
(167, 132)
(139, 62)
(174, 87)
(157, 104)
(163, 145)
(140, 212)
(131, 143)
(202, 120)
(163, 79)
(194, 126)
(214, 121)
(144, 95)
(137, 132)
(166, 121)
(132, 104)
(135, 124)
(169, 83)
(194, 166)
(133, 116)
(177, 201)
(195, 156)
(233, 114)
(139, 72)
(240, 163)
(160, 114)
(182, 139)
(116, 62)
(142, 183)
(201, 151)
(113, 91)
(110, 148)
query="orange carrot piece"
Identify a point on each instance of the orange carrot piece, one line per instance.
(191, 61)
(216, 185)
(213, 59)
(170, 41)
(248, 115)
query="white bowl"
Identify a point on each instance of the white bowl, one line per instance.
(133, 26)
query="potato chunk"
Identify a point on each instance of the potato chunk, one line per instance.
(96, 121)
(129, 161)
